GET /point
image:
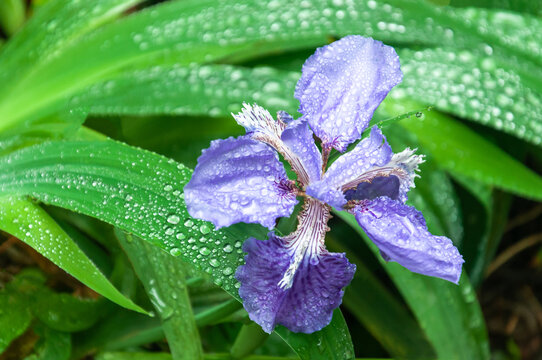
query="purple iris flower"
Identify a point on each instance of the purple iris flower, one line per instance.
(293, 280)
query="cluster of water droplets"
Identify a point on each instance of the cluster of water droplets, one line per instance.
(173, 89)
(472, 87)
(28, 222)
(56, 26)
(135, 190)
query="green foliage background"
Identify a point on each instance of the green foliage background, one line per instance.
(105, 106)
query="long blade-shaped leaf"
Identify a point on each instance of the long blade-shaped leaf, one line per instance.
(168, 294)
(181, 32)
(141, 192)
(53, 27)
(31, 224)
(459, 149)
(473, 87)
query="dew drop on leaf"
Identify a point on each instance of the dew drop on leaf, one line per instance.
(173, 219)
(205, 229)
(175, 251)
(214, 262)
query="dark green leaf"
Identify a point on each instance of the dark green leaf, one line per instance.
(52, 345)
(163, 277)
(474, 87)
(31, 224)
(64, 312)
(15, 317)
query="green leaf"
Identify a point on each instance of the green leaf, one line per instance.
(461, 83)
(460, 150)
(52, 345)
(61, 125)
(133, 356)
(64, 312)
(51, 29)
(527, 6)
(332, 342)
(250, 337)
(156, 36)
(474, 87)
(217, 313)
(15, 317)
(31, 224)
(141, 192)
(12, 15)
(119, 330)
(168, 294)
(448, 313)
(215, 90)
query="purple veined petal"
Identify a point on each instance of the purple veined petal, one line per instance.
(299, 138)
(371, 152)
(239, 180)
(293, 281)
(401, 234)
(297, 147)
(371, 159)
(341, 86)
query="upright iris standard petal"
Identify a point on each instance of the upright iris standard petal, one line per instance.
(341, 86)
(239, 180)
(299, 138)
(401, 234)
(293, 281)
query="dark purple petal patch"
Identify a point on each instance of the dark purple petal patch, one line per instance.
(379, 186)
(307, 305)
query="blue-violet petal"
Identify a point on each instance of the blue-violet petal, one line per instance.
(306, 306)
(239, 180)
(341, 86)
(401, 234)
(299, 138)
